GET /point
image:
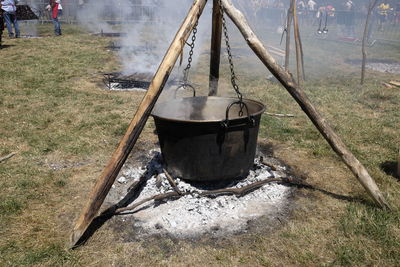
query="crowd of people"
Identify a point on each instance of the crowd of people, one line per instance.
(344, 13)
(8, 16)
(314, 12)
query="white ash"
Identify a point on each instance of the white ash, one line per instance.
(194, 215)
(118, 87)
(121, 180)
(384, 67)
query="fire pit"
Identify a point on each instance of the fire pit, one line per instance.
(118, 81)
(203, 138)
(194, 214)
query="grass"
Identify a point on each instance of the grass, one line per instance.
(64, 128)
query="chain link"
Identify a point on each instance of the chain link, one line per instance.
(190, 58)
(232, 69)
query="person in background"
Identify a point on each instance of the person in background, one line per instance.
(56, 11)
(312, 10)
(350, 19)
(1, 24)
(383, 13)
(9, 8)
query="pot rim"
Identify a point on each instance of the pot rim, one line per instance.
(215, 120)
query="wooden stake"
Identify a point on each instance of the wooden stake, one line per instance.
(215, 48)
(107, 177)
(288, 33)
(301, 98)
(298, 45)
(371, 6)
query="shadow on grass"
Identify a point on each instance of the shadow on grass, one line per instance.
(5, 46)
(390, 168)
(335, 195)
(100, 220)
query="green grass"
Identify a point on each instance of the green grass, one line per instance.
(64, 128)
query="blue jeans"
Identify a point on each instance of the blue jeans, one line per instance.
(11, 18)
(56, 22)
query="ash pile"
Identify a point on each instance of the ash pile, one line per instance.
(380, 65)
(199, 208)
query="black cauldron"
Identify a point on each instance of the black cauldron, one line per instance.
(205, 139)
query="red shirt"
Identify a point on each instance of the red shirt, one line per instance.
(55, 11)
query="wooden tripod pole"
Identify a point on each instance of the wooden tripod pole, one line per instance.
(371, 6)
(215, 51)
(296, 31)
(301, 98)
(288, 33)
(107, 177)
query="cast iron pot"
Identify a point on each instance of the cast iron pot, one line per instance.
(204, 138)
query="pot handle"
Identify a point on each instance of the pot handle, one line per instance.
(184, 86)
(250, 119)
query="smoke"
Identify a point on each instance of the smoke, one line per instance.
(150, 26)
(29, 27)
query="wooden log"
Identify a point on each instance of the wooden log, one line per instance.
(226, 191)
(280, 115)
(301, 98)
(215, 52)
(172, 182)
(395, 83)
(371, 6)
(7, 157)
(387, 85)
(107, 177)
(288, 33)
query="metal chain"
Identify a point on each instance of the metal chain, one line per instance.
(190, 58)
(228, 50)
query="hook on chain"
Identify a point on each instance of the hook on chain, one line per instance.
(231, 66)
